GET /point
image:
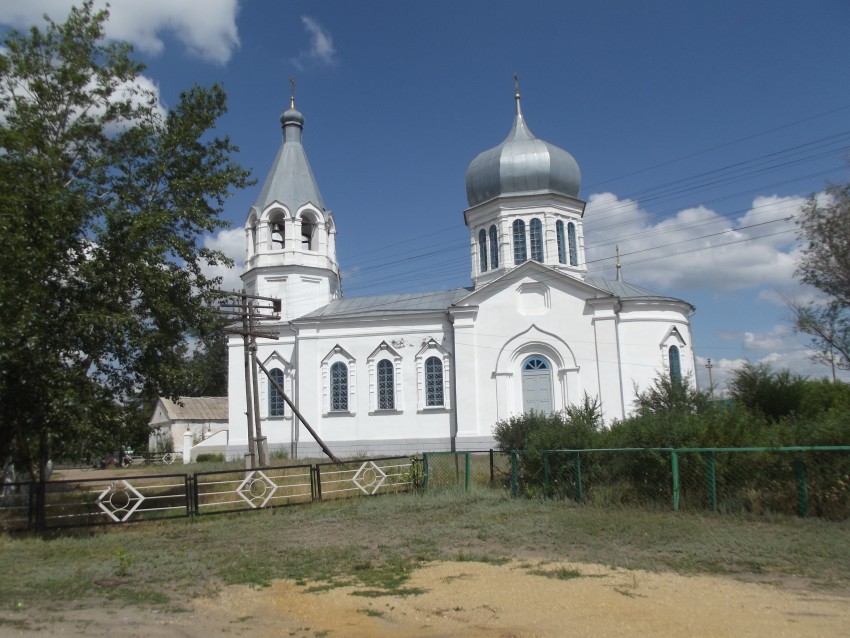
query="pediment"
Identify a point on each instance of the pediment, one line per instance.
(533, 278)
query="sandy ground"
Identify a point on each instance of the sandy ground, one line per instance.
(476, 599)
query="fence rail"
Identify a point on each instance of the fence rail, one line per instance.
(790, 480)
(807, 481)
(133, 498)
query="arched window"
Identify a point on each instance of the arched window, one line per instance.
(520, 254)
(494, 247)
(339, 386)
(275, 398)
(434, 382)
(562, 243)
(278, 234)
(571, 234)
(482, 249)
(308, 232)
(535, 230)
(386, 385)
(675, 364)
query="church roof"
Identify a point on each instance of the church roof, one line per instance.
(521, 164)
(624, 290)
(413, 302)
(290, 180)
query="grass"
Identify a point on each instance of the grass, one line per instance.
(374, 544)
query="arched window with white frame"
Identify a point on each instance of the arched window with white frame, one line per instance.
(562, 242)
(520, 253)
(675, 364)
(434, 382)
(339, 387)
(482, 250)
(494, 247)
(276, 402)
(386, 385)
(535, 232)
(571, 236)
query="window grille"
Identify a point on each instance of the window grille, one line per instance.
(339, 387)
(571, 233)
(536, 233)
(520, 254)
(275, 398)
(386, 386)
(494, 248)
(482, 249)
(675, 364)
(434, 382)
(562, 244)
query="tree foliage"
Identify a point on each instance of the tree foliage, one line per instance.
(104, 200)
(824, 228)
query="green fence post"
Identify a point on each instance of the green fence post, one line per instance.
(674, 468)
(802, 488)
(468, 472)
(577, 469)
(711, 480)
(425, 471)
(514, 475)
(546, 486)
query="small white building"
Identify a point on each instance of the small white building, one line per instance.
(397, 374)
(205, 418)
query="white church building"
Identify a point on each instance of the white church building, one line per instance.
(403, 373)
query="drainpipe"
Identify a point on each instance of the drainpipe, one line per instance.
(453, 411)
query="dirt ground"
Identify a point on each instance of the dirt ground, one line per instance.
(476, 599)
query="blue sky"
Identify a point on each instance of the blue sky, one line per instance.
(699, 127)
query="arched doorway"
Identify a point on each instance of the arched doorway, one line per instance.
(536, 385)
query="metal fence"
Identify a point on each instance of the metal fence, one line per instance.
(134, 498)
(463, 470)
(807, 481)
(97, 501)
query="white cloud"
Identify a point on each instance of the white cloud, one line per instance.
(207, 28)
(321, 45)
(232, 243)
(696, 247)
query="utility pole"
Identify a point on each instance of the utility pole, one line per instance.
(709, 365)
(249, 311)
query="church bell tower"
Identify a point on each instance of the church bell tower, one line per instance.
(290, 235)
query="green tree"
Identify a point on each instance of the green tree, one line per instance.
(824, 228)
(104, 201)
(764, 391)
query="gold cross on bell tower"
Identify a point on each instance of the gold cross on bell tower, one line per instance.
(292, 91)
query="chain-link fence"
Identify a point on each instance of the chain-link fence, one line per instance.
(795, 480)
(463, 470)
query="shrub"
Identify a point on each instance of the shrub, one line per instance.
(210, 458)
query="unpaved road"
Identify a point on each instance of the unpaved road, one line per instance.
(477, 600)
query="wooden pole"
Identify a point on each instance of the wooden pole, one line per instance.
(300, 416)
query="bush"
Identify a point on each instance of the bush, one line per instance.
(210, 458)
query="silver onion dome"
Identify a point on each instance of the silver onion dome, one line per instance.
(522, 164)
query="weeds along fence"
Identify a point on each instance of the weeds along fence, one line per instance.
(463, 470)
(807, 481)
(135, 498)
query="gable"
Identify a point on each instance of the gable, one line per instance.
(534, 284)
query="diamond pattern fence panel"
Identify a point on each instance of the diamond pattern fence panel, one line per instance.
(240, 490)
(109, 501)
(367, 477)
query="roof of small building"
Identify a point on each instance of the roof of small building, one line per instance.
(196, 408)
